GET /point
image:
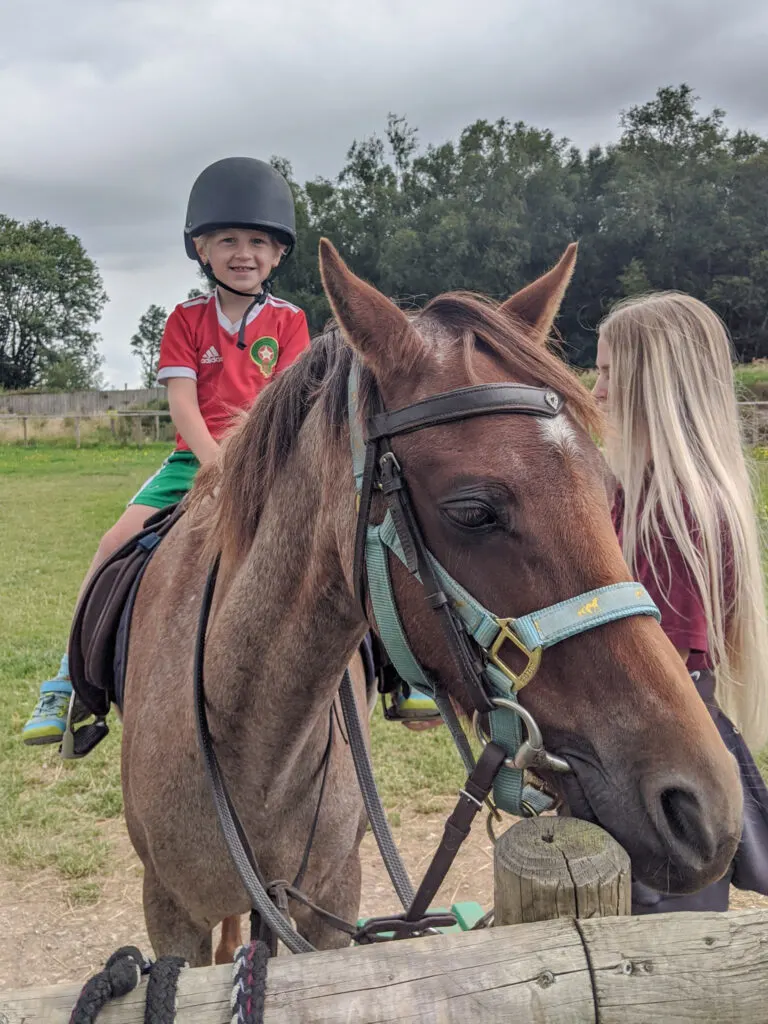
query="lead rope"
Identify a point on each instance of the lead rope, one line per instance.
(121, 974)
(249, 983)
(125, 968)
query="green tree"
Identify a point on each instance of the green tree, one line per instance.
(678, 202)
(298, 279)
(634, 280)
(51, 296)
(67, 371)
(146, 342)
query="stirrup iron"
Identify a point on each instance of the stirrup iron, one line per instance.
(75, 745)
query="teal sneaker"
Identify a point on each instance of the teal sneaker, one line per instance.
(49, 719)
(414, 705)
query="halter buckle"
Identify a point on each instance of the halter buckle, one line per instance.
(517, 679)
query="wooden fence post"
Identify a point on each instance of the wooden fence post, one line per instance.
(24, 424)
(77, 431)
(157, 426)
(545, 868)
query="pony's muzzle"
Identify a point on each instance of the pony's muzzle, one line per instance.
(698, 844)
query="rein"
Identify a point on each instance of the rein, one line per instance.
(269, 900)
(474, 636)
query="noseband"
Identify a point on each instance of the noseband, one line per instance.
(474, 635)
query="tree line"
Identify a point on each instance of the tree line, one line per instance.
(679, 201)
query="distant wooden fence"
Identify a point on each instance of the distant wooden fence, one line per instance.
(27, 426)
(86, 403)
(754, 418)
(146, 424)
(587, 963)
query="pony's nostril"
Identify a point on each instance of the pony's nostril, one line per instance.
(682, 813)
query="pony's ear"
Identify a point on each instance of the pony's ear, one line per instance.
(373, 325)
(537, 304)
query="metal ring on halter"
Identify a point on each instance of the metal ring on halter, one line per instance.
(493, 815)
(531, 753)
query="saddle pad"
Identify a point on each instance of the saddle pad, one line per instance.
(112, 589)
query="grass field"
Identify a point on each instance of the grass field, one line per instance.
(55, 503)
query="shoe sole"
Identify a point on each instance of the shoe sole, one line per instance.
(39, 741)
(414, 710)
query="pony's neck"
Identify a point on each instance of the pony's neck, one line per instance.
(285, 625)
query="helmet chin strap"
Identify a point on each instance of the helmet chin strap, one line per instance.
(258, 300)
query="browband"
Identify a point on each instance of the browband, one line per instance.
(482, 400)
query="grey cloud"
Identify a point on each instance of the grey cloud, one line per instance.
(109, 110)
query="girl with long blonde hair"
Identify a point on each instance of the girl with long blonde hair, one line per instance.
(686, 519)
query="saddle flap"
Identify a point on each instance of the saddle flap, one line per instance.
(100, 611)
(101, 615)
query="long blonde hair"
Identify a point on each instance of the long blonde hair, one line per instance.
(677, 450)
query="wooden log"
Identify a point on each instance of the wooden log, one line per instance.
(157, 426)
(77, 431)
(678, 968)
(24, 423)
(545, 868)
(668, 969)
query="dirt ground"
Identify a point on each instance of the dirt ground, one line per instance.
(44, 939)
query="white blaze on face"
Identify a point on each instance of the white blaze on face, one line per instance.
(560, 433)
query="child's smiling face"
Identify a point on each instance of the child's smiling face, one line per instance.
(242, 258)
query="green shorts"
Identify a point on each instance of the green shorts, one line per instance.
(170, 483)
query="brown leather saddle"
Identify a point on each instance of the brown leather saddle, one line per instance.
(98, 641)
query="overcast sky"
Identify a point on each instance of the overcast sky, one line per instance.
(110, 108)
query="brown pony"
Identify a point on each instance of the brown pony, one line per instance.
(514, 507)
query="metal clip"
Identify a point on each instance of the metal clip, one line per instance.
(531, 753)
(381, 929)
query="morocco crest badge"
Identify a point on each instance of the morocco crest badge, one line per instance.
(264, 353)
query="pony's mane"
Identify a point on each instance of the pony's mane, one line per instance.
(261, 444)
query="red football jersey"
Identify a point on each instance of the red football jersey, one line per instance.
(200, 343)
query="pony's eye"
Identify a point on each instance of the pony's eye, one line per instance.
(471, 515)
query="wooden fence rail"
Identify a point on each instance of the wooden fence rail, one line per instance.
(108, 418)
(87, 403)
(664, 969)
(577, 968)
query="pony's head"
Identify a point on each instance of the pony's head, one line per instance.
(516, 508)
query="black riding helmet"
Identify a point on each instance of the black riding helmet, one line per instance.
(240, 192)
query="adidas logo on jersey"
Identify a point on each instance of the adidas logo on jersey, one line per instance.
(211, 356)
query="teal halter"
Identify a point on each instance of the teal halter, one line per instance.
(531, 634)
